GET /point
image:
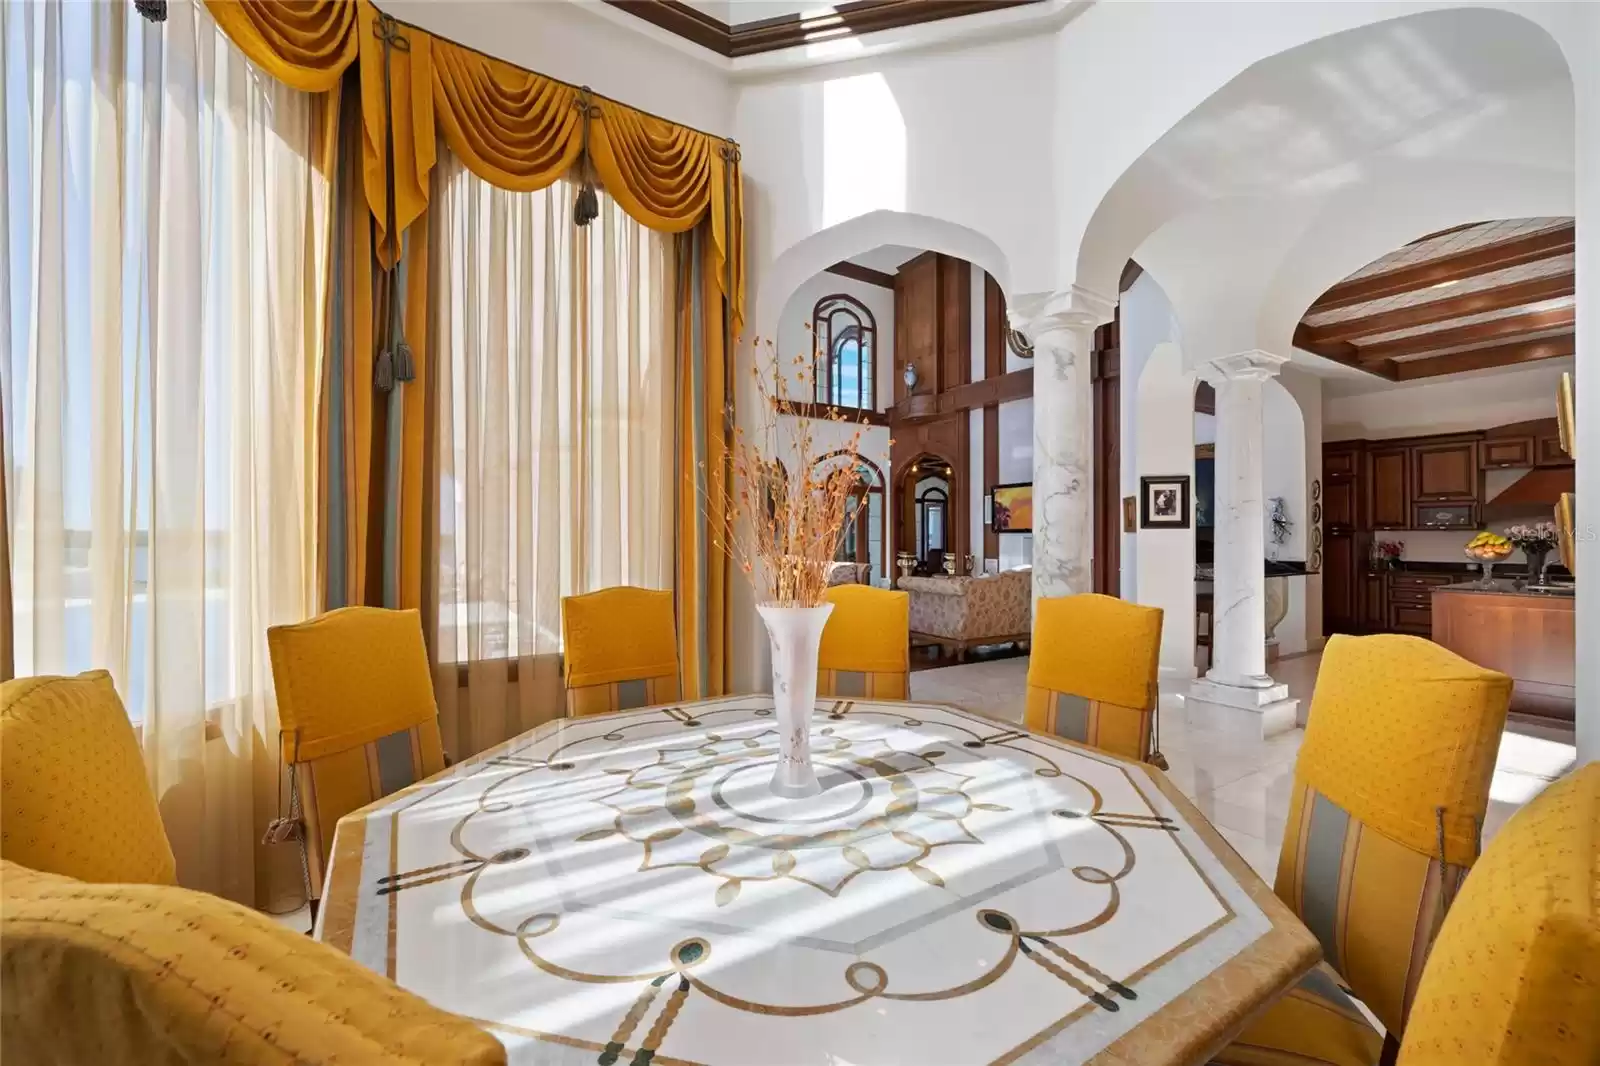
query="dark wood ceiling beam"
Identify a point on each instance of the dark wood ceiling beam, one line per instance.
(1341, 352)
(1443, 310)
(857, 272)
(1422, 343)
(787, 31)
(1472, 263)
(1484, 358)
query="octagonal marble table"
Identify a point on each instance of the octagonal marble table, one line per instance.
(625, 889)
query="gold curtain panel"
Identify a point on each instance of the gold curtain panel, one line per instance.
(511, 127)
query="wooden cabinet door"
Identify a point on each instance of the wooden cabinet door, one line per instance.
(1339, 594)
(1445, 470)
(1374, 605)
(1339, 463)
(1388, 488)
(1339, 505)
(1550, 452)
(1507, 452)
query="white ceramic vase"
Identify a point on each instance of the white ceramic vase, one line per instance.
(796, 634)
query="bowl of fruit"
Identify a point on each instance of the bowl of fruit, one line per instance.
(1486, 549)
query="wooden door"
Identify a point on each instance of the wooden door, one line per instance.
(1388, 489)
(1339, 590)
(1445, 470)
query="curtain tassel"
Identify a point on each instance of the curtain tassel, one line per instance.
(405, 368)
(154, 10)
(587, 207)
(383, 371)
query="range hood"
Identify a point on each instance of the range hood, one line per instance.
(1537, 490)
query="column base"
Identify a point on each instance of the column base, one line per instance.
(1255, 712)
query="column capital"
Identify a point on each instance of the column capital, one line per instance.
(1253, 365)
(1038, 314)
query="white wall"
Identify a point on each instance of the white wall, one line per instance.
(1164, 444)
(1459, 403)
(1146, 321)
(1305, 594)
(1016, 465)
(795, 338)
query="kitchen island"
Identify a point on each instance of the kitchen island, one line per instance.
(1526, 631)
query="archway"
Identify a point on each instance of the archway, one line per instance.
(931, 491)
(865, 540)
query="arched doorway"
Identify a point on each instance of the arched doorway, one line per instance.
(930, 490)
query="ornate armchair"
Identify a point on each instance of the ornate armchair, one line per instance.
(967, 612)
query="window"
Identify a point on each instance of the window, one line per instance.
(160, 260)
(555, 406)
(846, 335)
(933, 504)
(861, 540)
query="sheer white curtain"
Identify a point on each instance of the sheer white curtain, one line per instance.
(165, 238)
(554, 437)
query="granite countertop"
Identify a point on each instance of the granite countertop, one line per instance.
(1509, 587)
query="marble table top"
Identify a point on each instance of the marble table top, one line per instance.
(625, 889)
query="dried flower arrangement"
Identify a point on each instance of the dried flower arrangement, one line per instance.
(782, 528)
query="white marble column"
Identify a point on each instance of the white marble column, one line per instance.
(1237, 690)
(1061, 327)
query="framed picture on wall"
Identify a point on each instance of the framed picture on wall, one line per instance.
(1164, 502)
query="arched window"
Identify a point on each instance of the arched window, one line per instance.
(933, 512)
(866, 521)
(846, 337)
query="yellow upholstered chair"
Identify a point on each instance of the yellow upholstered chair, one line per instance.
(621, 650)
(356, 714)
(866, 645)
(1390, 789)
(74, 798)
(147, 975)
(1092, 674)
(1514, 977)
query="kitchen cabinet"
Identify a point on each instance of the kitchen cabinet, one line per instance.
(1410, 601)
(1498, 452)
(1445, 470)
(1549, 451)
(1341, 462)
(1374, 602)
(1389, 488)
(1445, 516)
(1339, 505)
(1340, 611)
(1531, 638)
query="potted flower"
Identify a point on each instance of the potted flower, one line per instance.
(784, 501)
(1390, 552)
(1535, 542)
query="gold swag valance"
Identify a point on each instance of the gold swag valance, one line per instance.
(513, 128)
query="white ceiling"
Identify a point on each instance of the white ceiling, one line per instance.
(739, 12)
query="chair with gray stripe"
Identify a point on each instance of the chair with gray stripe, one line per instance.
(619, 650)
(866, 645)
(357, 718)
(1092, 674)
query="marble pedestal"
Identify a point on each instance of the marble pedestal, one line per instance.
(1251, 712)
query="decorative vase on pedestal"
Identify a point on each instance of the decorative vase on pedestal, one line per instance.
(796, 634)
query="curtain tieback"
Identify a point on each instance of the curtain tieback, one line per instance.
(587, 206)
(394, 363)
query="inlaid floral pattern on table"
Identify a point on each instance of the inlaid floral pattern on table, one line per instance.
(627, 889)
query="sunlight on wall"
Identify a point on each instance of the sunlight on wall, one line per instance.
(863, 149)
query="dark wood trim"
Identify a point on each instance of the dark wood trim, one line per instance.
(1342, 352)
(1511, 326)
(1006, 387)
(827, 412)
(1426, 314)
(787, 31)
(1130, 274)
(857, 272)
(1106, 436)
(1485, 259)
(995, 329)
(1484, 358)
(1205, 398)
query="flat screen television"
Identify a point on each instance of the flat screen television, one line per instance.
(1012, 508)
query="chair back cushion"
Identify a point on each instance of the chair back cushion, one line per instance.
(866, 645)
(1399, 728)
(140, 975)
(1092, 673)
(620, 650)
(356, 711)
(1514, 978)
(74, 798)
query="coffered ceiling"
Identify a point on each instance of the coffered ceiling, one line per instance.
(748, 27)
(1474, 297)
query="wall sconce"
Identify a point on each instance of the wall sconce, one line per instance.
(910, 377)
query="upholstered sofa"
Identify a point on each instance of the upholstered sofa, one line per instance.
(849, 574)
(967, 612)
